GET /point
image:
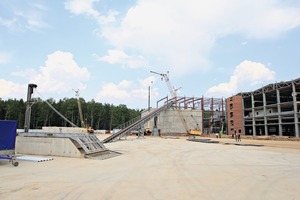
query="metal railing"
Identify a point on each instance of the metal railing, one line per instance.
(137, 124)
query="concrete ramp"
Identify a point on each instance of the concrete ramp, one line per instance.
(92, 146)
(126, 131)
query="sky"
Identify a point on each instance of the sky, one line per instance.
(107, 48)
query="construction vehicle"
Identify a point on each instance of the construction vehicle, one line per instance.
(172, 90)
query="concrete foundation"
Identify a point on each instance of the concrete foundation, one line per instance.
(47, 146)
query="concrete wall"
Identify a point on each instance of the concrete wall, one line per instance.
(169, 121)
(46, 146)
(54, 129)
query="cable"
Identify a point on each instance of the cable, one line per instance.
(73, 125)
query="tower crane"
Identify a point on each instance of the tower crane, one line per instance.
(173, 91)
(79, 108)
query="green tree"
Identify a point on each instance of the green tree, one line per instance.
(97, 115)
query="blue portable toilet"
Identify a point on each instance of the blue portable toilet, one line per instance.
(8, 131)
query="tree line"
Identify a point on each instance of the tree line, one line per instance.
(97, 115)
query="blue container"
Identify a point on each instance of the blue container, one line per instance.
(8, 131)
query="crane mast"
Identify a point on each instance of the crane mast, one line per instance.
(172, 90)
(167, 80)
(79, 108)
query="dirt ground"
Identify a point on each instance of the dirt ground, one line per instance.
(158, 168)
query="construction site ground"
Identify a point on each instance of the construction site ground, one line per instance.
(163, 168)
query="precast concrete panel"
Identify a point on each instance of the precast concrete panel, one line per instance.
(47, 146)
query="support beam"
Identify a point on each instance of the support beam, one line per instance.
(296, 121)
(265, 113)
(279, 112)
(253, 114)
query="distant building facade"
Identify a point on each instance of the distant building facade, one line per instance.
(234, 111)
(270, 110)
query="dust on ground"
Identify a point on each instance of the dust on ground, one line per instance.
(157, 168)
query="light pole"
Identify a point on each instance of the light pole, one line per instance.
(149, 89)
(149, 97)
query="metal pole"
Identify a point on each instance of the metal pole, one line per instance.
(149, 98)
(28, 107)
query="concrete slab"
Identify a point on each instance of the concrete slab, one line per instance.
(243, 144)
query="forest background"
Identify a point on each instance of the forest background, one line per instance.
(97, 115)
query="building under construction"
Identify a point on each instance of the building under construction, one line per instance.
(270, 110)
(199, 113)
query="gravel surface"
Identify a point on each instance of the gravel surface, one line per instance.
(156, 168)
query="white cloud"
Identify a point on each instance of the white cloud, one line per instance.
(246, 74)
(7, 23)
(12, 90)
(179, 35)
(253, 73)
(60, 74)
(29, 72)
(270, 20)
(30, 18)
(148, 81)
(41, 7)
(115, 91)
(86, 7)
(34, 22)
(126, 92)
(115, 56)
(109, 18)
(5, 57)
(82, 7)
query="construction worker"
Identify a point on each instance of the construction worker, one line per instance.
(90, 130)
